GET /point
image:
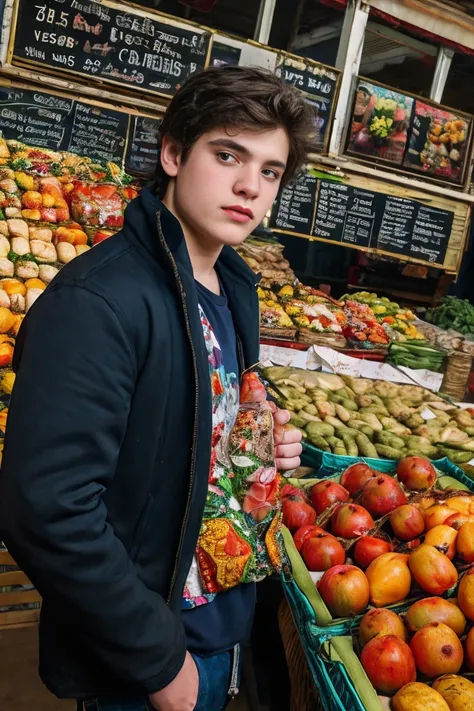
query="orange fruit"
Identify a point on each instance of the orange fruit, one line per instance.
(12, 286)
(35, 284)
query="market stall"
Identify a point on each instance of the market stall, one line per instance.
(389, 179)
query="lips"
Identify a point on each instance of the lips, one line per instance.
(239, 213)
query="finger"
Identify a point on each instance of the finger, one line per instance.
(285, 435)
(281, 417)
(288, 451)
(290, 436)
(285, 465)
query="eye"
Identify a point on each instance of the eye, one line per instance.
(272, 174)
(226, 157)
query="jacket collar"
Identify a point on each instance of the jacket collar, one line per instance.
(147, 207)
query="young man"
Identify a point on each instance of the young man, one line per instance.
(114, 429)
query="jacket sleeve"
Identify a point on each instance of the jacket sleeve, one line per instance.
(75, 380)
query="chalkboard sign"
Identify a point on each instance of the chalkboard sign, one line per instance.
(99, 133)
(106, 42)
(63, 124)
(344, 214)
(294, 207)
(357, 217)
(35, 118)
(318, 84)
(142, 154)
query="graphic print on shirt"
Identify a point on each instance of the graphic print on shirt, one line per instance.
(239, 528)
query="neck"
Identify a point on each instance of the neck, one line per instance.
(202, 254)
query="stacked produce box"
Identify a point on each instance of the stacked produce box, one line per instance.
(265, 257)
(385, 563)
(53, 207)
(376, 419)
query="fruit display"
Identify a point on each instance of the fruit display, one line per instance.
(306, 311)
(372, 418)
(389, 314)
(266, 258)
(409, 603)
(362, 327)
(54, 206)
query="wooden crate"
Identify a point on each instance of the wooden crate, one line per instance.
(16, 592)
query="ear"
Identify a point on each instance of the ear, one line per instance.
(170, 156)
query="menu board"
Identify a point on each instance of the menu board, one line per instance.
(63, 124)
(107, 42)
(142, 154)
(318, 84)
(294, 206)
(98, 133)
(356, 217)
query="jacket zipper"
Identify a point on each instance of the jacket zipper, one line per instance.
(196, 407)
(240, 354)
(234, 677)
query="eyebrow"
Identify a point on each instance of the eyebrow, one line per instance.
(234, 146)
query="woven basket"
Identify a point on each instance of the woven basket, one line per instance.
(331, 340)
(304, 695)
(456, 377)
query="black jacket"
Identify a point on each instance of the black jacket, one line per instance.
(106, 459)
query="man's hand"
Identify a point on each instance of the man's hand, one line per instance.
(287, 442)
(182, 693)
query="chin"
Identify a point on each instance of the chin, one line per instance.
(232, 236)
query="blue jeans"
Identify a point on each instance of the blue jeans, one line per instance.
(219, 679)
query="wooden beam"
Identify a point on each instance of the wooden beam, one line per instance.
(431, 16)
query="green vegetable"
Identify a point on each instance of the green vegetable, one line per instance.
(387, 452)
(319, 442)
(366, 448)
(454, 313)
(13, 256)
(416, 355)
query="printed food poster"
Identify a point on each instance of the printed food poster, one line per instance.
(438, 142)
(380, 123)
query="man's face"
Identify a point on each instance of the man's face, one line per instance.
(227, 183)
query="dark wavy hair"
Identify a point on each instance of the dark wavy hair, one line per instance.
(236, 97)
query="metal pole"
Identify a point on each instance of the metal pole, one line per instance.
(348, 60)
(443, 65)
(296, 25)
(265, 20)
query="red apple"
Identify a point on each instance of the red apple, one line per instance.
(407, 522)
(345, 590)
(325, 493)
(322, 552)
(351, 521)
(306, 532)
(356, 476)
(416, 473)
(382, 495)
(297, 514)
(368, 549)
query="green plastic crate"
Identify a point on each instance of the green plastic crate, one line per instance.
(335, 686)
(327, 463)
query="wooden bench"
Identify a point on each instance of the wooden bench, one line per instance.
(14, 595)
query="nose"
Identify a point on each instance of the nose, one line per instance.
(248, 182)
